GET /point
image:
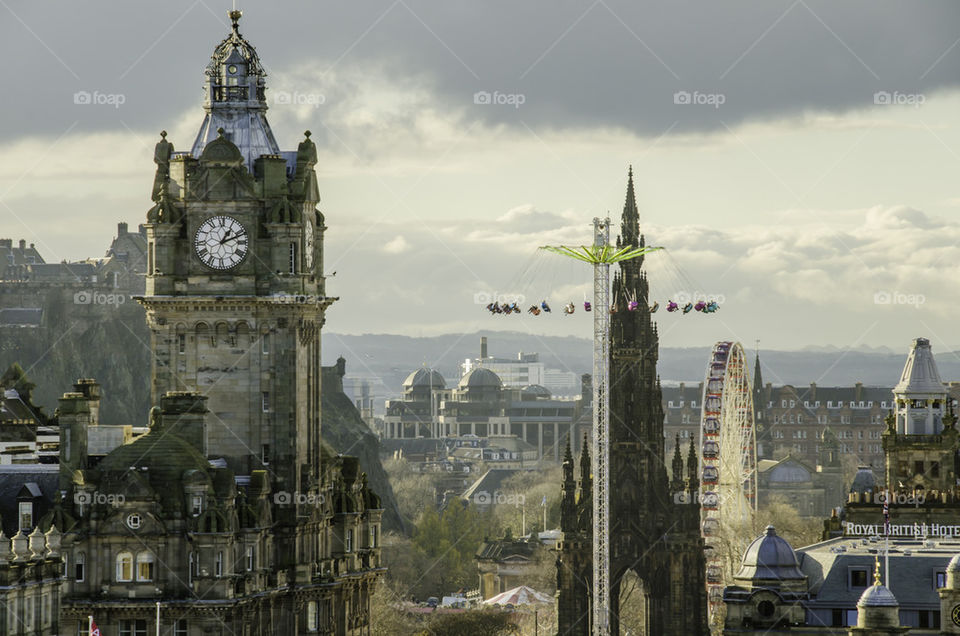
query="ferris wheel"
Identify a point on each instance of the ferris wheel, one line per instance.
(728, 461)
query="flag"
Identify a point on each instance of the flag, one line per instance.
(94, 630)
(543, 502)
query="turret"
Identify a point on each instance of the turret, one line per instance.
(586, 483)
(677, 484)
(878, 612)
(920, 396)
(630, 223)
(568, 501)
(693, 465)
(235, 98)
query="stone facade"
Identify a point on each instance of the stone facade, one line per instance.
(481, 406)
(655, 516)
(231, 513)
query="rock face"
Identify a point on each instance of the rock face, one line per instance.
(111, 344)
(347, 434)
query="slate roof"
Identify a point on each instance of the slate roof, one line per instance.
(23, 317)
(788, 470)
(502, 549)
(489, 482)
(420, 445)
(44, 482)
(912, 578)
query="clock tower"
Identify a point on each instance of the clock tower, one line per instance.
(235, 288)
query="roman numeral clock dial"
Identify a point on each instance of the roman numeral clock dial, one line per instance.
(221, 242)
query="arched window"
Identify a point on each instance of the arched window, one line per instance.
(144, 566)
(203, 335)
(223, 335)
(243, 335)
(124, 567)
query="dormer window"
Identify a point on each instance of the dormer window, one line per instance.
(196, 505)
(26, 515)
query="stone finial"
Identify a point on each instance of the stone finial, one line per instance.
(18, 545)
(37, 543)
(54, 537)
(156, 419)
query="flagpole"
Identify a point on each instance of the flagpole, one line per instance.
(89, 624)
(158, 618)
(886, 532)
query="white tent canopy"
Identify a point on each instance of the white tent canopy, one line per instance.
(522, 595)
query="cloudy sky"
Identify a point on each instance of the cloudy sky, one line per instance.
(798, 159)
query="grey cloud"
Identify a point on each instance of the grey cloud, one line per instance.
(614, 63)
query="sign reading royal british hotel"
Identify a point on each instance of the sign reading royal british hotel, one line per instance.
(912, 530)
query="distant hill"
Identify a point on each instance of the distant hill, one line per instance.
(389, 358)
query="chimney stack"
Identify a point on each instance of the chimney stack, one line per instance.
(121, 229)
(184, 413)
(23, 244)
(73, 417)
(90, 389)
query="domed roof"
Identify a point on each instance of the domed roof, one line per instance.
(864, 480)
(235, 49)
(920, 373)
(535, 391)
(789, 472)
(480, 377)
(877, 596)
(954, 565)
(425, 377)
(770, 557)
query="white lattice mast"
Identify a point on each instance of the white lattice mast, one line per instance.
(601, 428)
(601, 255)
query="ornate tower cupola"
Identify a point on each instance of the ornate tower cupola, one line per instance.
(235, 99)
(920, 396)
(920, 442)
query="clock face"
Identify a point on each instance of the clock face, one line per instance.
(221, 242)
(955, 614)
(308, 244)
